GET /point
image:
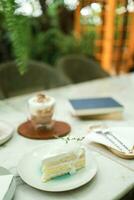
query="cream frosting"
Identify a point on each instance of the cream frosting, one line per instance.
(40, 102)
(62, 151)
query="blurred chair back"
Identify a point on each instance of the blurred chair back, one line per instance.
(79, 68)
(38, 77)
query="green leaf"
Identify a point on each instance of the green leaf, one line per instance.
(19, 30)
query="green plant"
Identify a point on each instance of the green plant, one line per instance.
(53, 44)
(18, 31)
(46, 45)
(49, 43)
(87, 43)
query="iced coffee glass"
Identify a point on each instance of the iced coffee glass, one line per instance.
(41, 108)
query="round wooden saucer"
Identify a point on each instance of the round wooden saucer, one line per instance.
(60, 129)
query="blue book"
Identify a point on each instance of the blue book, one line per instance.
(95, 106)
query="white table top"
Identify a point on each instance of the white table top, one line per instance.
(115, 176)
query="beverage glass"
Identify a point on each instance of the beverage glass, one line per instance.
(41, 110)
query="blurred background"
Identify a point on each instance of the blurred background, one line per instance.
(50, 43)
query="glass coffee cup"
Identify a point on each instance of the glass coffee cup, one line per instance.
(41, 110)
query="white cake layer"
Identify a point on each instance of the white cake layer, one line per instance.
(64, 168)
(70, 160)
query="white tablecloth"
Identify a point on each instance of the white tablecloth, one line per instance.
(115, 176)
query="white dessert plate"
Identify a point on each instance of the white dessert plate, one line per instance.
(6, 131)
(29, 168)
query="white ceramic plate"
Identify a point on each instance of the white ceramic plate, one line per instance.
(6, 131)
(29, 168)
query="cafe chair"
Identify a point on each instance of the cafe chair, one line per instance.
(1, 94)
(39, 76)
(79, 68)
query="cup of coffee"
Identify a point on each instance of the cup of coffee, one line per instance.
(41, 109)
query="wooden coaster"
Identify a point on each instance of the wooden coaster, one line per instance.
(60, 129)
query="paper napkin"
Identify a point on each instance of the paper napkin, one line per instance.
(5, 182)
(124, 134)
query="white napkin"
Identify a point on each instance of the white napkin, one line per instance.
(124, 134)
(5, 182)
